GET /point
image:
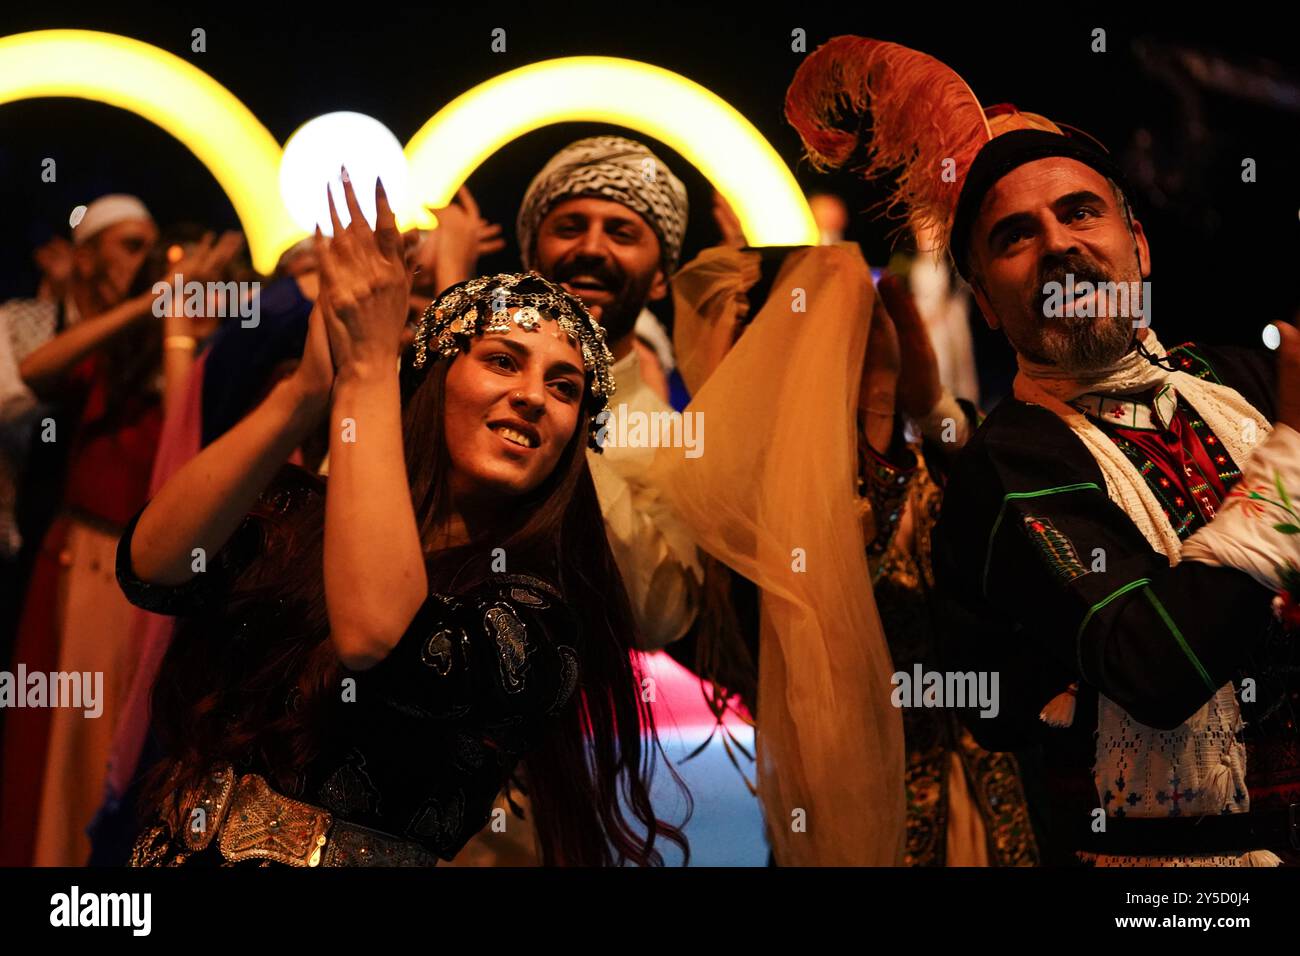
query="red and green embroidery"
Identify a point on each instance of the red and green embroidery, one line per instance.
(1055, 547)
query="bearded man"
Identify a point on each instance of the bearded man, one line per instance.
(605, 218)
(1113, 535)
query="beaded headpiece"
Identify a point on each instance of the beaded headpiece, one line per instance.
(483, 305)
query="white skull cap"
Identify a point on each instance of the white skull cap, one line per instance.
(108, 211)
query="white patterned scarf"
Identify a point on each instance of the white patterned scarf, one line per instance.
(1236, 422)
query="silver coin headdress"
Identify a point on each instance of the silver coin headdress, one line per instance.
(483, 305)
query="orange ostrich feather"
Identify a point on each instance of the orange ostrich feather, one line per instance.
(921, 115)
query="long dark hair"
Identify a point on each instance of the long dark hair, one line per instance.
(216, 701)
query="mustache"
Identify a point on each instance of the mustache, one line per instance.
(598, 269)
(1056, 271)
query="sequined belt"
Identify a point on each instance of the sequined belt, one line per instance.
(250, 821)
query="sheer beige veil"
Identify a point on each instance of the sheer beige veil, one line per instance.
(773, 496)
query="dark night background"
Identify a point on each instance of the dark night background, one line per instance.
(1181, 98)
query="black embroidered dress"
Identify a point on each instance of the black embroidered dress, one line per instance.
(419, 747)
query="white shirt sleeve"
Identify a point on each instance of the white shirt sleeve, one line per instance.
(16, 399)
(655, 555)
(1258, 528)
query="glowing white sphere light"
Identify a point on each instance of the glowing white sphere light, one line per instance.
(313, 157)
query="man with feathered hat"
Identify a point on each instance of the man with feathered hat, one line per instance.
(1115, 533)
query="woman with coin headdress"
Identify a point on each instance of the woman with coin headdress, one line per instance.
(369, 660)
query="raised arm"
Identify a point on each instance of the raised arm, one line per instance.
(181, 333)
(375, 579)
(45, 367)
(921, 394)
(203, 503)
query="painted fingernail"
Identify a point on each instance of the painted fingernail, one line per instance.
(344, 174)
(379, 188)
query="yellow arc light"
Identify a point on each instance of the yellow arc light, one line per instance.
(244, 157)
(208, 119)
(703, 128)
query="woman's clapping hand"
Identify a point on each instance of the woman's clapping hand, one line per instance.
(364, 285)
